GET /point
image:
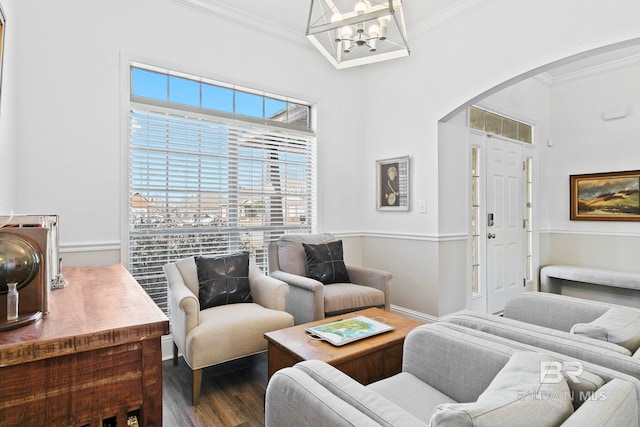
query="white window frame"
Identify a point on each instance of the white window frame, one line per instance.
(126, 104)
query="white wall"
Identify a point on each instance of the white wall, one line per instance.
(585, 143)
(67, 122)
(451, 64)
(7, 130)
(68, 115)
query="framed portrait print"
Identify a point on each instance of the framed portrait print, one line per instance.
(611, 196)
(392, 188)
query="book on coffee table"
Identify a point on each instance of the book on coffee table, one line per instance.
(344, 331)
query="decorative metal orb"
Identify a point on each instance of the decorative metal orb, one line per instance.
(19, 261)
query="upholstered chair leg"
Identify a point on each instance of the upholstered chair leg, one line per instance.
(175, 354)
(197, 380)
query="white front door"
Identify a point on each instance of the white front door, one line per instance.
(505, 222)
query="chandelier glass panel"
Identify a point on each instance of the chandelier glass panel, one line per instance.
(356, 32)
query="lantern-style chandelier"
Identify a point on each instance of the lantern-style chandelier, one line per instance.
(356, 32)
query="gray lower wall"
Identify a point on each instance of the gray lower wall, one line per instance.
(607, 251)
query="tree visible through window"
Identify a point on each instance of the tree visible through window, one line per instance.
(212, 169)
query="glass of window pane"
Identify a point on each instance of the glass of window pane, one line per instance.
(217, 98)
(275, 109)
(249, 104)
(524, 133)
(298, 114)
(474, 162)
(474, 251)
(476, 118)
(184, 91)
(510, 128)
(474, 280)
(493, 123)
(475, 225)
(148, 84)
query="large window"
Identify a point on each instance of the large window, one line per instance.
(213, 169)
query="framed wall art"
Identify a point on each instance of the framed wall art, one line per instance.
(611, 196)
(392, 188)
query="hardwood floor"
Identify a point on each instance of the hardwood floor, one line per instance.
(232, 394)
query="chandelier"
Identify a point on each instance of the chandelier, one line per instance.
(352, 32)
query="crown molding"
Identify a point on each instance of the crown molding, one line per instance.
(456, 8)
(596, 69)
(244, 19)
(248, 20)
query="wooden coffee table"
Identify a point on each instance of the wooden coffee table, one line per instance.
(367, 360)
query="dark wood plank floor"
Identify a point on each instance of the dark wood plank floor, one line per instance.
(232, 394)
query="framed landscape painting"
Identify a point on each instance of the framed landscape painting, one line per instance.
(611, 196)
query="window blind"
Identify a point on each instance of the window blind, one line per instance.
(201, 184)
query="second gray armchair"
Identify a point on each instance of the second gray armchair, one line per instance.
(309, 298)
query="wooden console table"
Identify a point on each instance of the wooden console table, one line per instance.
(96, 356)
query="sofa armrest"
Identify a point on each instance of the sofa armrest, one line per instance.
(613, 404)
(185, 306)
(305, 300)
(553, 311)
(337, 385)
(446, 358)
(378, 279)
(295, 399)
(267, 291)
(301, 282)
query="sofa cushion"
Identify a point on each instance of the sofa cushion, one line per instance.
(325, 262)
(344, 297)
(231, 331)
(223, 279)
(411, 394)
(619, 325)
(518, 392)
(291, 257)
(582, 384)
(370, 403)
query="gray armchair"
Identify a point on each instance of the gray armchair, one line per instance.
(226, 332)
(310, 299)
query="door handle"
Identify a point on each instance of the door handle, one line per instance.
(491, 236)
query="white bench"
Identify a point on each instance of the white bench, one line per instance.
(595, 276)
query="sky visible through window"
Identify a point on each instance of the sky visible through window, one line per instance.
(180, 90)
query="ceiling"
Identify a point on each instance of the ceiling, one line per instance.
(289, 18)
(293, 14)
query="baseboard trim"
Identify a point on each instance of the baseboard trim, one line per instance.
(167, 347)
(416, 315)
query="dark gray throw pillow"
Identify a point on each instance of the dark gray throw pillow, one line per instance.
(223, 279)
(325, 262)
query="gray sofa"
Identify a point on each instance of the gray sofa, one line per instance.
(605, 334)
(455, 376)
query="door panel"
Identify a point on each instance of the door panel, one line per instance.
(505, 238)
